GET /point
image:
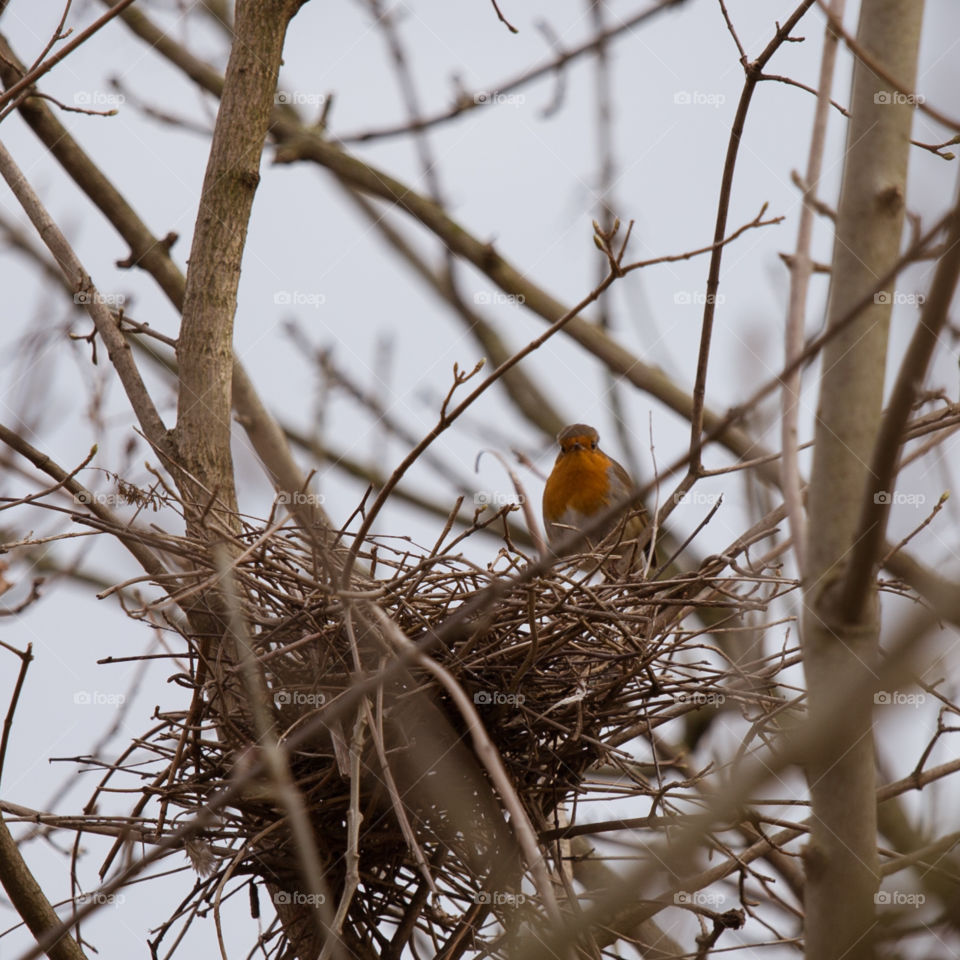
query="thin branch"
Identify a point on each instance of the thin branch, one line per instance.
(41, 461)
(45, 67)
(753, 71)
(354, 816)
(801, 268)
(813, 347)
(26, 656)
(503, 19)
(469, 101)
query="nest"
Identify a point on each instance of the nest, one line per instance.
(570, 674)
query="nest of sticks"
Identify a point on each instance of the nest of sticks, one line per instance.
(570, 674)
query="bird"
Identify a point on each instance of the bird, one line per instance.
(584, 483)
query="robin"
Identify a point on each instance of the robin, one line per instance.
(585, 482)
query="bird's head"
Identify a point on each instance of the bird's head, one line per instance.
(578, 436)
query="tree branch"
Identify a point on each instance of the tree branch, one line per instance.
(753, 72)
(876, 497)
(210, 298)
(30, 901)
(801, 268)
(841, 651)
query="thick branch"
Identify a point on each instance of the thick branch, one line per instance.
(30, 901)
(230, 183)
(840, 652)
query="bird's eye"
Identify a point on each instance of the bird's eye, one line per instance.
(593, 444)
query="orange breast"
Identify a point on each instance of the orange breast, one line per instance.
(579, 484)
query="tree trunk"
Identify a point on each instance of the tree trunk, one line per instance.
(840, 646)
